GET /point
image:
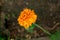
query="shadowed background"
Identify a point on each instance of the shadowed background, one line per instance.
(48, 12)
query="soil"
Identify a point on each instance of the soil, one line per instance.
(48, 12)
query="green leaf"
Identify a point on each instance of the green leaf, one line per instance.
(2, 38)
(30, 29)
(32, 26)
(55, 36)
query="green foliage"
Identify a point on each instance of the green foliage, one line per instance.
(55, 36)
(30, 29)
(2, 38)
(5, 17)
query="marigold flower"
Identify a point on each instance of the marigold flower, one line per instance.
(27, 17)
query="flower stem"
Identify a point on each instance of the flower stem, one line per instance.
(43, 29)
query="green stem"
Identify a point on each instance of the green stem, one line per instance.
(43, 29)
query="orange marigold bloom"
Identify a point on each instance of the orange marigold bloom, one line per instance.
(27, 17)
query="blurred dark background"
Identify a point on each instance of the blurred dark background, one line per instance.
(48, 12)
